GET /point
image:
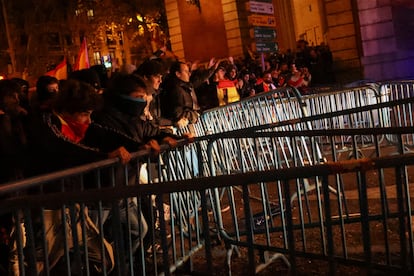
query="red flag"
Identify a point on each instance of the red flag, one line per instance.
(82, 61)
(60, 72)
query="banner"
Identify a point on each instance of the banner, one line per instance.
(60, 72)
(82, 61)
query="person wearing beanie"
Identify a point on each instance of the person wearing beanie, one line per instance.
(89, 76)
(124, 103)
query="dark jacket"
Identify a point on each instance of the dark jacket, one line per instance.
(177, 102)
(52, 151)
(13, 148)
(245, 90)
(207, 95)
(132, 132)
(156, 112)
(128, 131)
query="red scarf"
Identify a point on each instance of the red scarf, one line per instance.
(72, 130)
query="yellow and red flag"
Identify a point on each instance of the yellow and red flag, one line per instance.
(227, 92)
(82, 61)
(60, 72)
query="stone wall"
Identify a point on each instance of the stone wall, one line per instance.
(343, 36)
(233, 28)
(199, 34)
(387, 40)
(174, 26)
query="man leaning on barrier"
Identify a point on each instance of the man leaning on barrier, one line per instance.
(55, 140)
(125, 100)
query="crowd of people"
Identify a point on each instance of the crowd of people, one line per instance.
(91, 116)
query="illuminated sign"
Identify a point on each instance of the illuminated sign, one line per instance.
(266, 47)
(260, 33)
(260, 7)
(262, 20)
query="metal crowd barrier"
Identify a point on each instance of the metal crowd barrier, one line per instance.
(366, 226)
(345, 100)
(400, 116)
(287, 104)
(262, 148)
(263, 158)
(87, 220)
(359, 97)
(356, 108)
(265, 108)
(280, 105)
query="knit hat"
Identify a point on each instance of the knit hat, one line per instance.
(89, 76)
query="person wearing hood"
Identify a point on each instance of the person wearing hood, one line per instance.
(124, 102)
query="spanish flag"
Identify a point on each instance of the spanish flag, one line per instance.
(227, 92)
(82, 61)
(60, 72)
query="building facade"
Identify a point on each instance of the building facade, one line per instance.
(36, 36)
(369, 39)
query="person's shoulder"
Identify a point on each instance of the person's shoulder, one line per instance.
(48, 119)
(4, 121)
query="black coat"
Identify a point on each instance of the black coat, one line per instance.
(207, 95)
(156, 112)
(13, 148)
(51, 151)
(129, 131)
(112, 129)
(177, 101)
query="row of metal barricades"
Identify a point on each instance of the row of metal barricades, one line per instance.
(277, 182)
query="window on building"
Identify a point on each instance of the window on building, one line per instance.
(53, 41)
(97, 58)
(110, 39)
(68, 39)
(90, 13)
